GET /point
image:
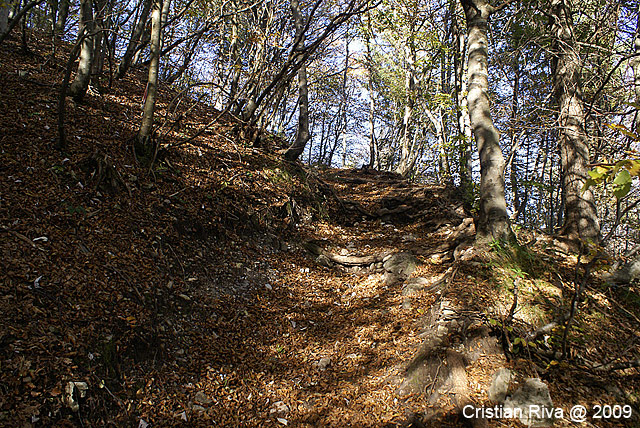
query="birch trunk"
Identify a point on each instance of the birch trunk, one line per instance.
(372, 104)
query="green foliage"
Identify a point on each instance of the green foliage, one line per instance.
(71, 209)
(620, 174)
(517, 259)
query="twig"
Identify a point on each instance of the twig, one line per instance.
(178, 259)
(514, 305)
(579, 287)
(432, 385)
(123, 276)
(180, 191)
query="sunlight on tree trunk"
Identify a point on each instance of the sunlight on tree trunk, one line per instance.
(493, 222)
(78, 88)
(406, 164)
(463, 121)
(302, 136)
(146, 127)
(580, 214)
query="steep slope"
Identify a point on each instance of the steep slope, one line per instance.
(224, 287)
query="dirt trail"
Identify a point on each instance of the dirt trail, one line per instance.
(327, 341)
(189, 296)
(225, 287)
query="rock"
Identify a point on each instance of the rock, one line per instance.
(411, 287)
(464, 252)
(625, 274)
(279, 408)
(399, 267)
(324, 363)
(440, 258)
(73, 392)
(202, 398)
(198, 408)
(500, 385)
(534, 401)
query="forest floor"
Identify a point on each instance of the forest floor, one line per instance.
(224, 287)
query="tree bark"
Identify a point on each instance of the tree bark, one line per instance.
(134, 40)
(580, 214)
(372, 102)
(464, 123)
(635, 65)
(234, 56)
(17, 16)
(146, 127)
(406, 165)
(493, 222)
(63, 14)
(513, 161)
(78, 88)
(52, 13)
(4, 17)
(302, 136)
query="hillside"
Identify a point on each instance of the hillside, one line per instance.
(225, 287)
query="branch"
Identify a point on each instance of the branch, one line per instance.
(17, 18)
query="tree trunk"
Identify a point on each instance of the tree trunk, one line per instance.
(234, 54)
(188, 56)
(580, 214)
(78, 88)
(17, 17)
(4, 17)
(134, 40)
(635, 65)
(513, 161)
(405, 165)
(302, 136)
(52, 13)
(146, 127)
(464, 123)
(99, 42)
(493, 222)
(63, 14)
(372, 102)
(345, 100)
